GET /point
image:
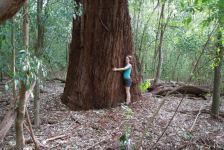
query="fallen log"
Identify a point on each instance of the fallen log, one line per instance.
(186, 89)
(192, 90)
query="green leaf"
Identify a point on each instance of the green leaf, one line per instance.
(187, 20)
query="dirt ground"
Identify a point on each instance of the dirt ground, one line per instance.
(101, 129)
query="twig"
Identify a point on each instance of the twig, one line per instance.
(54, 138)
(29, 128)
(168, 123)
(37, 147)
(199, 112)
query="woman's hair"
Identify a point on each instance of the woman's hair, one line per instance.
(130, 58)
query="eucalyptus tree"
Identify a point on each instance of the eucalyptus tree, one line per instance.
(20, 141)
(215, 12)
(38, 51)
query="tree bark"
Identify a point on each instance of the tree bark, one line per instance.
(7, 122)
(174, 67)
(1, 69)
(1, 76)
(11, 114)
(8, 8)
(26, 26)
(13, 42)
(38, 51)
(217, 76)
(20, 142)
(162, 30)
(137, 22)
(102, 38)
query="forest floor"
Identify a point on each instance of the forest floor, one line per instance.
(100, 129)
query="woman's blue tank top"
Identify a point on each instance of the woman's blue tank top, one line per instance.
(127, 73)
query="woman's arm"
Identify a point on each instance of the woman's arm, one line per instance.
(122, 69)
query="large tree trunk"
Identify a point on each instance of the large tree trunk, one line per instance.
(102, 38)
(8, 8)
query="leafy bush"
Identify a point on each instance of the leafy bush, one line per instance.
(145, 85)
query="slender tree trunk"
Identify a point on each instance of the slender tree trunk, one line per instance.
(194, 68)
(102, 38)
(13, 42)
(26, 25)
(174, 67)
(138, 22)
(145, 28)
(6, 123)
(67, 54)
(217, 76)
(20, 142)
(162, 30)
(1, 69)
(10, 117)
(40, 37)
(155, 54)
(1, 76)
(140, 46)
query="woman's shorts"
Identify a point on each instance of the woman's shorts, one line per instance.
(127, 82)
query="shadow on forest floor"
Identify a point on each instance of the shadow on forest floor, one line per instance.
(99, 129)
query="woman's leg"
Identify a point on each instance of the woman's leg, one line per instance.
(128, 95)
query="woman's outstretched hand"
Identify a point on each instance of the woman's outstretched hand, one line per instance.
(114, 69)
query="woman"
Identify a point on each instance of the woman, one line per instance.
(126, 77)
